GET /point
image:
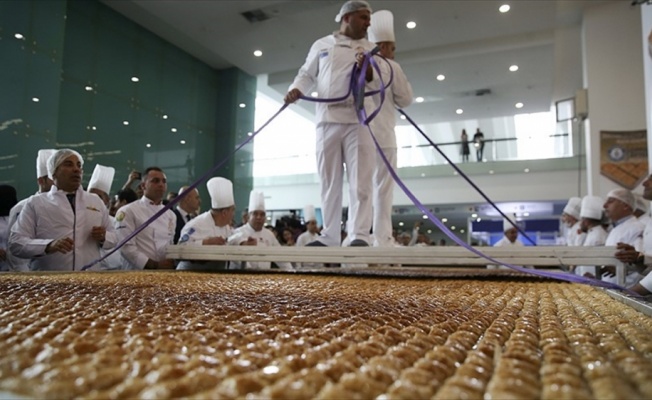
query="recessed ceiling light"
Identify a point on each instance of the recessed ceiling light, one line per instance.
(444, 220)
(462, 230)
(134, 79)
(125, 123)
(402, 116)
(526, 214)
(491, 172)
(400, 224)
(258, 53)
(173, 129)
(94, 128)
(182, 141)
(504, 8)
(35, 99)
(513, 68)
(148, 145)
(424, 216)
(429, 230)
(314, 94)
(526, 170)
(453, 228)
(459, 111)
(88, 88)
(242, 105)
(518, 105)
(474, 215)
(250, 133)
(423, 175)
(19, 36)
(165, 116)
(478, 220)
(441, 77)
(411, 25)
(419, 99)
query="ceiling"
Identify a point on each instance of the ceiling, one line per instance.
(470, 42)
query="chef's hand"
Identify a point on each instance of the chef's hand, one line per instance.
(609, 271)
(250, 242)
(98, 233)
(63, 245)
(626, 253)
(292, 96)
(215, 241)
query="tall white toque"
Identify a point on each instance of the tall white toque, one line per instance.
(256, 201)
(309, 213)
(221, 192)
(506, 224)
(382, 27)
(592, 207)
(102, 178)
(573, 207)
(42, 162)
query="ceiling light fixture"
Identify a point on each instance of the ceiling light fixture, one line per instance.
(314, 94)
(444, 220)
(173, 129)
(19, 36)
(134, 79)
(242, 105)
(518, 105)
(165, 116)
(526, 170)
(453, 228)
(148, 145)
(504, 8)
(182, 141)
(125, 123)
(474, 215)
(401, 224)
(441, 77)
(88, 88)
(411, 25)
(403, 116)
(258, 53)
(250, 134)
(419, 99)
(424, 216)
(491, 172)
(459, 111)
(35, 99)
(513, 68)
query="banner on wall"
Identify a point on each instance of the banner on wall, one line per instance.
(623, 157)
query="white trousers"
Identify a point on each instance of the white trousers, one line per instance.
(350, 144)
(383, 198)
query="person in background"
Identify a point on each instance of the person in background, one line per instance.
(310, 235)
(255, 234)
(186, 209)
(341, 139)
(131, 179)
(100, 184)
(64, 229)
(124, 197)
(398, 94)
(478, 143)
(211, 228)
(509, 239)
(288, 237)
(591, 215)
(169, 197)
(8, 200)
(571, 218)
(465, 146)
(147, 249)
(642, 211)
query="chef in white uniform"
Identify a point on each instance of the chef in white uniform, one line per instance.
(100, 185)
(211, 228)
(571, 218)
(253, 233)
(642, 211)
(64, 229)
(619, 208)
(147, 250)
(310, 235)
(398, 94)
(509, 239)
(44, 182)
(591, 214)
(341, 139)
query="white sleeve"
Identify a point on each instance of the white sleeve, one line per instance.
(22, 239)
(401, 87)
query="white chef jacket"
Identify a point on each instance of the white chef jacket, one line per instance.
(114, 261)
(646, 248)
(504, 242)
(303, 239)
(151, 242)
(194, 232)
(264, 238)
(49, 217)
(596, 236)
(17, 263)
(328, 66)
(630, 231)
(575, 238)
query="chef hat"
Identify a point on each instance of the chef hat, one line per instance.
(256, 201)
(508, 225)
(352, 6)
(309, 213)
(42, 162)
(59, 157)
(592, 207)
(623, 195)
(573, 207)
(382, 27)
(221, 192)
(642, 205)
(102, 178)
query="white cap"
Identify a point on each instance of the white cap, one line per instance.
(592, 207)
(102, 178)
(625, 196)
(508, 225)
(42, 162)
(382, 27)
(573, 207)
(352, 6)
(309, 213)
(58, 157)
(642, 205)
(221, 192)
(256, 201)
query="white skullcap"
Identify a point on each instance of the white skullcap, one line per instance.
(102, 178)
(256, 201)
(352, 6)
(60, 156)
(382, 27)
(42, 162)
(592, 207)
(508, 225)
(623, 195)
(573, 207)
(309, 213)
(642, 205)
(221, 192)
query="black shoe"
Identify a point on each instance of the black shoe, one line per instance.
(358, 243)
(316, 243)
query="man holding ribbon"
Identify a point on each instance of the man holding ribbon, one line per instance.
(341, 138)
